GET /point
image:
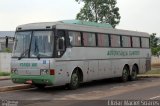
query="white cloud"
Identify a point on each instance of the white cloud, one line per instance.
(141, 15)
(15, 12)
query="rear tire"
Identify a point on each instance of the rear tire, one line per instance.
(125, 74)
(75, 80)
(133, 75)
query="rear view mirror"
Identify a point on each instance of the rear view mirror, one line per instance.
(60, 44)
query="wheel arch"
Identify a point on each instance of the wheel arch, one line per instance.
(80, 73)
(126, 65)
(136, 65)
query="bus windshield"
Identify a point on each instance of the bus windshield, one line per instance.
(41, 44)
(22, 42)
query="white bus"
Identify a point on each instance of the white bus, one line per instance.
(71, 52)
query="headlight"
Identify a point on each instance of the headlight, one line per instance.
(14, 71)
(44, 71)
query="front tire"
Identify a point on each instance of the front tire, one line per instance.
(75, 81)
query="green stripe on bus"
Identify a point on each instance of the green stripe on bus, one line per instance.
(37, 79)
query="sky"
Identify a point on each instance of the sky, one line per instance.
(137, 15)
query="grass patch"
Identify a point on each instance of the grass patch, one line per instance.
(153, 72)
(4, 74)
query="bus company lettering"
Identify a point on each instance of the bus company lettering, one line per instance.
(28, 64)
(123, 53)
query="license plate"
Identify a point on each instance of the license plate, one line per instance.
(29, 82)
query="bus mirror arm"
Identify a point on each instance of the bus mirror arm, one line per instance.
(38, 57)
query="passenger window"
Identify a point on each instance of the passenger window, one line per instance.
(136, 42)
(103, 40)
(89, 39)
(115, 41)
(126, 41)
(75, 38)
(145, 42)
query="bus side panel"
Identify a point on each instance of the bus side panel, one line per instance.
(61, 75)
(93, 70)
(105, 69)
(142, 65)
(148, 64)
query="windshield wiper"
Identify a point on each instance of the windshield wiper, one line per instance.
(23, 54)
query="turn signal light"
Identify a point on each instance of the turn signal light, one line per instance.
(52, 72)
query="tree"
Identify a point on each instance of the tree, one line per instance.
(155, 47)
(153, 40)
(101, 11)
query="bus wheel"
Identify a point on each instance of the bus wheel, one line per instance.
(125, 74)
(75, 81)
(40, 86)
(133, 75)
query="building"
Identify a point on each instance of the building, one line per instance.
(4, 35)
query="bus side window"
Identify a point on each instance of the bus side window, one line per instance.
(75, 38)
(115, 41)
(145, 42)
(89, 39)
(103, 40)
(126, 41)
(136, 42)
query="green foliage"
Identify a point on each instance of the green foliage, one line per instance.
(154, 40)
(8, 50)
(4, 74)
(101, 11)
(155, 48)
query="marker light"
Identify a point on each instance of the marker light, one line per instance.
(52, 72)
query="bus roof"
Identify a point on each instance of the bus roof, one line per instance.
(88, 23)
(77, 25)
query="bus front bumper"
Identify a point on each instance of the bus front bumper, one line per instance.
(39, 79)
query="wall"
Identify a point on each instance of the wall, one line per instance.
(5, 59)
(3, 43)
(155, 60)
